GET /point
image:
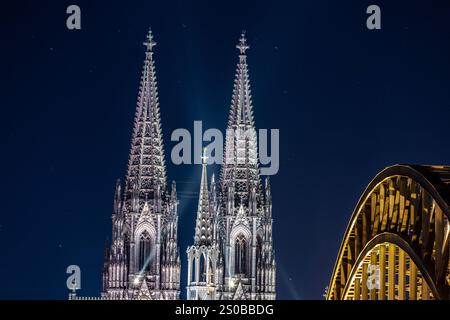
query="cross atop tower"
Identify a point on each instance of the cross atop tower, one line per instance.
(149, 42)
(242, 45)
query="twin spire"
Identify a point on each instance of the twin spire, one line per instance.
(240, 172)
(146, 165)
(146, 190)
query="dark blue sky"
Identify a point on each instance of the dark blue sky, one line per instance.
(348, 102)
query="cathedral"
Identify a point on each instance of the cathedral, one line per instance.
(232, 257)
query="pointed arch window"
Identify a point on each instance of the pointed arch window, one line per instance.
(193, 268)
(240, 255)
(145, 252)
(202, 268)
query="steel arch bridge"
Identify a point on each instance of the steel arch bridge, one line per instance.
(396, 245)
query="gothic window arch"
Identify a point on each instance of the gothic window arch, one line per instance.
(240, 254)
(192, 261)
(202, 268)
(146, 252)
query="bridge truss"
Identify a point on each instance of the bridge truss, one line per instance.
(396, 245)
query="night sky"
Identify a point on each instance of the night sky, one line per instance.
(348, 102)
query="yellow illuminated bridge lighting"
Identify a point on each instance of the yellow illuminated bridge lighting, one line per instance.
(398, 235)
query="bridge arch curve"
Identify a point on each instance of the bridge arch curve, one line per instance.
(400, 226)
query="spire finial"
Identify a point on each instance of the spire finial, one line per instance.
(242, 45)
(149, 42)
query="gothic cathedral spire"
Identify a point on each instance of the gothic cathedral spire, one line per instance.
(240, 171)
(203, 269)
(232, 256)
(203, 229)
(143, 261)
(146, 166)
(249, 260)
